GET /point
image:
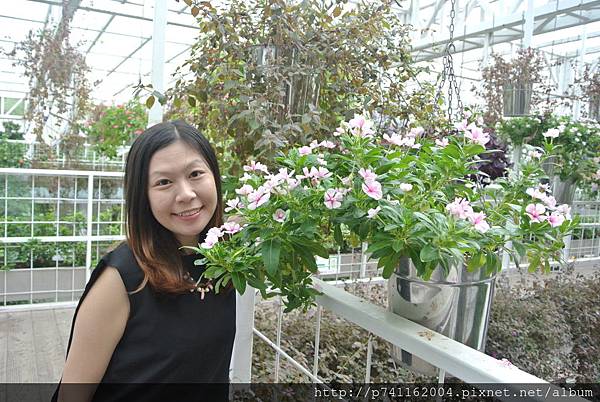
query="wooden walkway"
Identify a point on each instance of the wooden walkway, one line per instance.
(33, 344)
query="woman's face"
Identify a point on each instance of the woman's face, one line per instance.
(181, 191)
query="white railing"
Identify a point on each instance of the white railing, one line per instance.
(38, 284)
(448, 355)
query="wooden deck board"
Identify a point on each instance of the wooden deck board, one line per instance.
(33, 345)
(20, 362)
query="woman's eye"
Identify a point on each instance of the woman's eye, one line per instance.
(162, 182)
(197, 173)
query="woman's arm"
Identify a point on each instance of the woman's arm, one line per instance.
(98, 328)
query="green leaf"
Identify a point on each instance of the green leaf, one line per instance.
(520, 248)
(534, 263)
(270, 254)
(150, 101)
(337, 11)
(476, 262)
(239, 282)
(428, 253)
(192, 101)
(337, 235)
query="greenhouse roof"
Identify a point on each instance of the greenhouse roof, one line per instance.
(116, 35)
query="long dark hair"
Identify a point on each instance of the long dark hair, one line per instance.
(154, 246)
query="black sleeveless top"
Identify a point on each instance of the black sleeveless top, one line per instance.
(167, 338)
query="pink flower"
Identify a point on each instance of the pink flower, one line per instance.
(258, 197)
(565, 210)
(406, 187)
(416, 131)
(209, 242)
(536, 193)
(478, 221)
(361, 126)
(327, 144)
(292, 183)
(305, 150)
(373, 189)
(244, 190)
(255, 167)
(279, 215)
(395, 139)
(550, 201)
(231, 227)
(476, 135)
(373, 212)
(556, 219)
(333, 199)
(535, 212)
(462, 126)
(284, 174)
(459, 208)
(314, 144)
(232, 204)
(214, 232)
(442, 143)
(368, 175)
(346, 181)
(339, 131)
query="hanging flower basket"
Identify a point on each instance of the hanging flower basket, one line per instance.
(407, 195)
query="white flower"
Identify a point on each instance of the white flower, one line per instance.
(406, 187)
(551, 133)
(244, 190)
(333, 199)
(279, 215)
(231, 227)
(209, 242)
(373, 211)
(305, 150)
(232, 204)
(441, 143)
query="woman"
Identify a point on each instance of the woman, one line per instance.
(144, 317)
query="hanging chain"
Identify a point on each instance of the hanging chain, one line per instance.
(448, 70)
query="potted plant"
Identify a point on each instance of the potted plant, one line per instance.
(577, 145)
(410, 197)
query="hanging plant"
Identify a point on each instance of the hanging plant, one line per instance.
(270, 74)
(58, 86)
(514, 87)
(590, 91)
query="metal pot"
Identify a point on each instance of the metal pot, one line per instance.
(456, 304)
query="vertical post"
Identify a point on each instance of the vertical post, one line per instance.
(242, 347)
(158, 58)
(317, 340)
(516, 159)
(528, 26)
(369, 359)
(279, 321)
(88, 241)
(363, 260)
(580, 64)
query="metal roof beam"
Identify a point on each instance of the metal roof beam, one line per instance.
(116, 14)
(559, 11)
